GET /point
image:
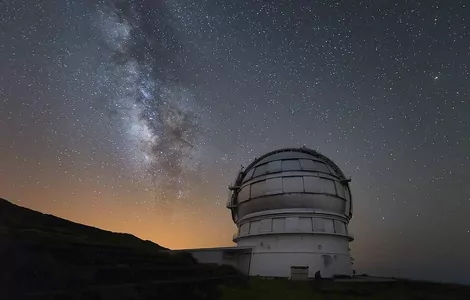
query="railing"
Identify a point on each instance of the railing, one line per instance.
(230, 202)
(229, 198)
(237, 235)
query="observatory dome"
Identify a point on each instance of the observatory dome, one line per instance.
(291, 178)
(292, 208)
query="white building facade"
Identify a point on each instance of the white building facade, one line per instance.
(292, 208)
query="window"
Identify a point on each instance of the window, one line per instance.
(244, 194)
(292, 184)
(273, 186)
(290, 165)
(274, 166)
(258, 189)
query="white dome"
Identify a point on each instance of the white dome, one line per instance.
(289, 179)
(292, 208)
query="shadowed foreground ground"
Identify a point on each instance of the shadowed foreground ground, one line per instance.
(48, 258)
(403, 290)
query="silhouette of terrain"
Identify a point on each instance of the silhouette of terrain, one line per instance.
(43, 256)
(22, 223)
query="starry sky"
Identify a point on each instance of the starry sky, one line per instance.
(135, 116)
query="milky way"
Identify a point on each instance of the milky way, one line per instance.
(158, 113)
(135, 116)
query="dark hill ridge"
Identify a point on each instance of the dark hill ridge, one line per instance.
(46, 257)
(21, 222)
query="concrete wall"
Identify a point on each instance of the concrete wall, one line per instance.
(279, 264)
(274, 255)
(238, 258)
(209, 256)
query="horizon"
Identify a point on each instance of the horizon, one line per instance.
(390, 273)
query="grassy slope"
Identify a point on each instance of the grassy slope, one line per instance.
(40, 253)
(21, 223)
(284, 289)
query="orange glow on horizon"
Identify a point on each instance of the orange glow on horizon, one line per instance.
(174, 229)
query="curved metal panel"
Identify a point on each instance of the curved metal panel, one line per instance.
(290, 165)
(275, 166)
(244, 194)
(319, 185)
(292, 185)
(258, 189)
(291, 178)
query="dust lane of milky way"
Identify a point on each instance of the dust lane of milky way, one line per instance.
(135, 116)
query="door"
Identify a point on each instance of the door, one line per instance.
(299, 272)
(328, 266)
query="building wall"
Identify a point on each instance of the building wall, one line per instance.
(208, 256)
(244, 262)
(274, 255)
(238, 258)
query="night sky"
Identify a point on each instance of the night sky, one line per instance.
(136, 116)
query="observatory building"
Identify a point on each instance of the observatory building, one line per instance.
(292, 208)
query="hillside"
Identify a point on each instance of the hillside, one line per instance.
(46, 257)
(28, 225)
